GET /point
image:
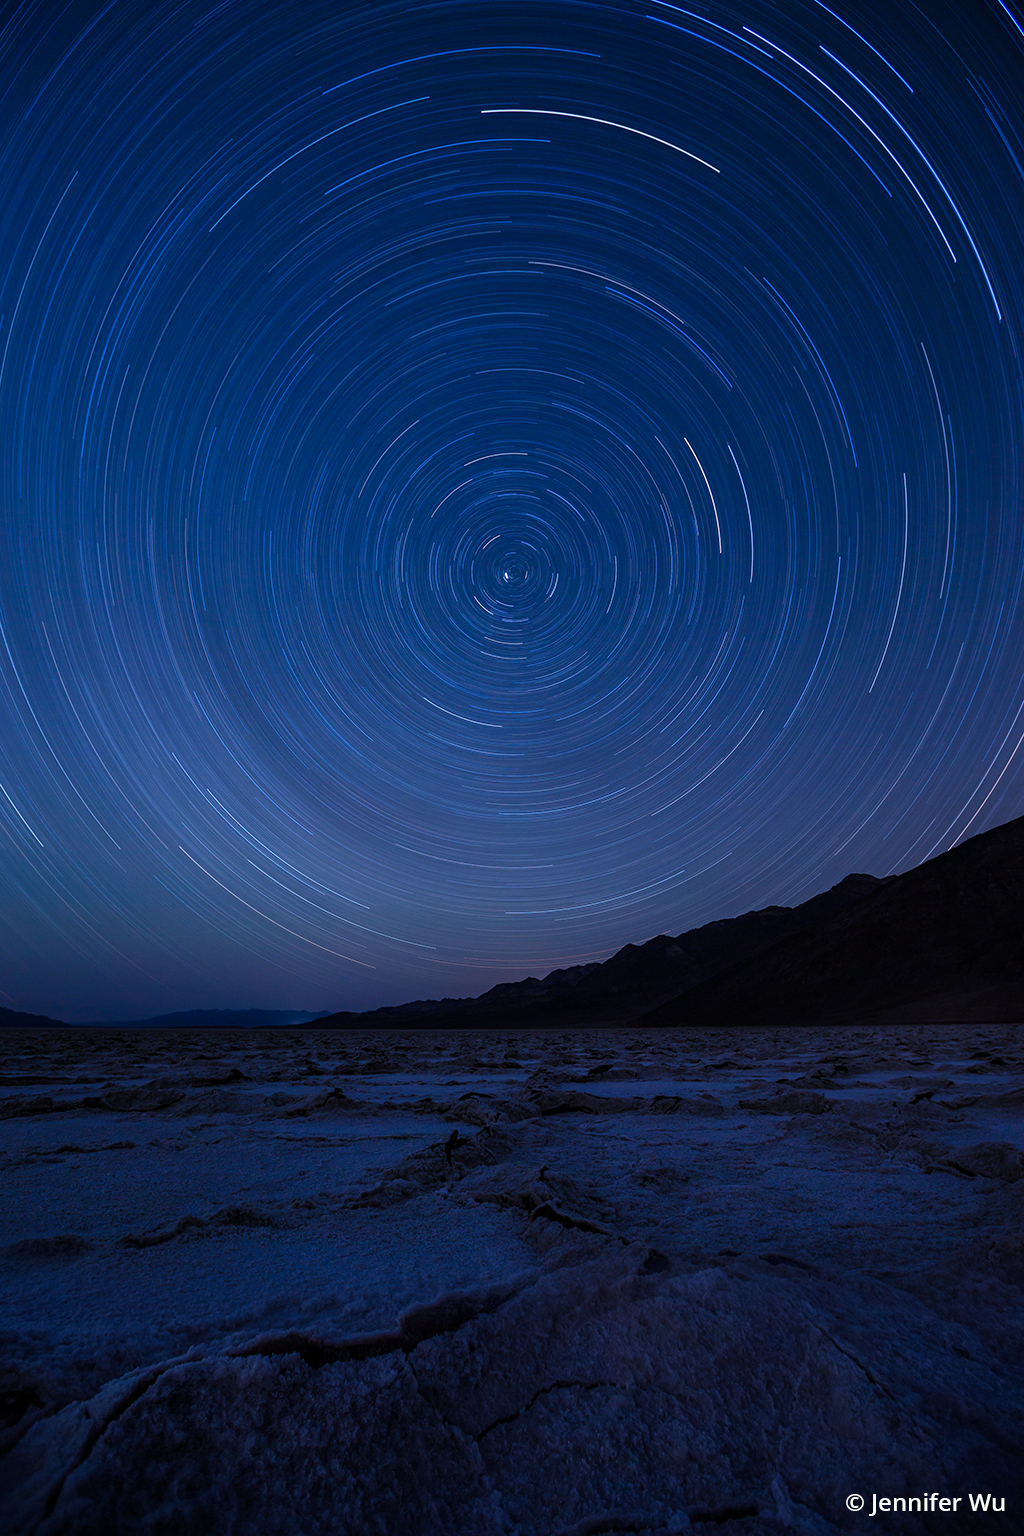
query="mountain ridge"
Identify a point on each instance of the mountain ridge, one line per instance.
(192, 1018)
(617, 990)
(943, 940)
(940, 942)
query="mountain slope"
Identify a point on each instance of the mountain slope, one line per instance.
(196, 1018)
(945, 940)
(615, 991)
(212, 1018)
(11, 1019)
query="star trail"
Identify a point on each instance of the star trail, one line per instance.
(484, 483)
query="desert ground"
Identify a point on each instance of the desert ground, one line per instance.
(511, 1283)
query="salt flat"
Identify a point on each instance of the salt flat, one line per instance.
(200, 1231)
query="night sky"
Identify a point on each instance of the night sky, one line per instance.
(483, 483)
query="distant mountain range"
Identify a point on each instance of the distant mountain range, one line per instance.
(195, 1018)
(943, 942)
(15, 1020)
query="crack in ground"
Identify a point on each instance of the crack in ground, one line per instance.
(138, 1390)
(610, 1524)
(881, 1387)
(464, 1435)
(979, 1418)
(586, 1386)
(724, 1514)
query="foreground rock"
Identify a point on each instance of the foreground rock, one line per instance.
(603, 1395)
(496, 1289)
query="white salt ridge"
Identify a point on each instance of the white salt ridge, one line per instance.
(786, 1306)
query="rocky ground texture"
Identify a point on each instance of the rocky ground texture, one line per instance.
(511, 1283)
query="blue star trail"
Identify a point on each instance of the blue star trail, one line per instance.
(483, 483)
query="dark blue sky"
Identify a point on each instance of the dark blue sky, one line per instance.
(482, 483)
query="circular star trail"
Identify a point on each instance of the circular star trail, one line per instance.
(485, 483)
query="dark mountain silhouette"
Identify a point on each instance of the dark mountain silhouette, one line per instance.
(944, 941)
(616, 991)
(195, 1018)
(214, 1018)
(11, 1019)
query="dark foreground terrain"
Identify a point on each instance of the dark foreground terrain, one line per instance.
(668, 1281)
